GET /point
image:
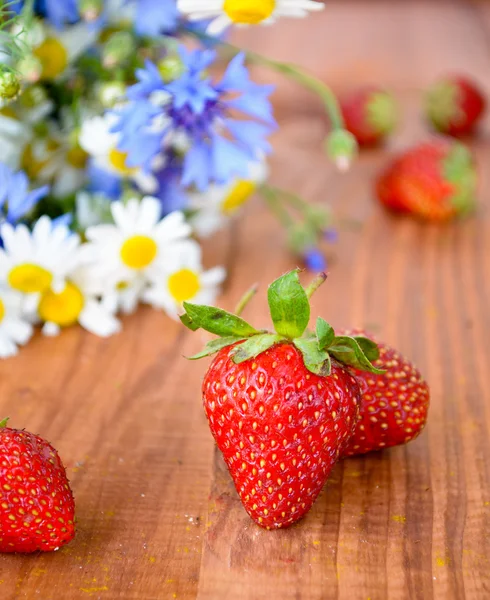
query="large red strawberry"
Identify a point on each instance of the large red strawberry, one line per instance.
(434, 181)
(36, 502)
(370, 114)
(280, 405)
(394, 405)
(454, 105)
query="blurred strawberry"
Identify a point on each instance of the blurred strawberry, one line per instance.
(370, 114)
(454, 105)
(434, 181)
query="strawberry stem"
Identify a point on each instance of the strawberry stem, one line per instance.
(245, 299)
(315, 284)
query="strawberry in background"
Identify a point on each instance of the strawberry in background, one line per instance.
(455, 105)
(433, 181)
(370, 114)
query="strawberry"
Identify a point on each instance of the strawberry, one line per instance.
(394, 405)
(370, 114)
(36, 502)
(280, 406)
(454, 105)
(434, 181)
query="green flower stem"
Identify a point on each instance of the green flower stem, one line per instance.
(276, 206)
(294, 200)
(315, 284)
(289, 70)
(246, 298)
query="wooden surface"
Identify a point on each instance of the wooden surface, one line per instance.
(157, 515)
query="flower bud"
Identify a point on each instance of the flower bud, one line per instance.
(118, 49)
(111, 92)
(9, 85)
(90, 10)
(171, 67)
(30, 68)
(341, 146)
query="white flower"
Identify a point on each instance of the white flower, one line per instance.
(76, 303)
(220, 202)
(33, 262)
(14, 135)
(244, 12)
(183, 280)
(14, 329)
(97, 140)
(139, 242)
(123, 296)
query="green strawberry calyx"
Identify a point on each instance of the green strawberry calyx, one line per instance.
(4, 422)
(459, 170)
(382, 112)
(443, 105)
(289, 305)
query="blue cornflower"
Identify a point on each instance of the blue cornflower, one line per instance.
(154, 17)
(197, 111)
(58, 12)
(16, 201)
(103, 182)
(315, 261)
(171, 193)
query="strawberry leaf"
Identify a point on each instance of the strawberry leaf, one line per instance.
(215, 320)
(324, 333)
(317, 361)
(347, 350)
(3, 422)
(216, 345)
(369, 347)
(289, 306)
(254, 346)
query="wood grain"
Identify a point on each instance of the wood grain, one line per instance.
(158, 516)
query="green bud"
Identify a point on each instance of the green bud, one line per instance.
(30, 68)
(111, 92)
(33, 96)
(171, 68)
(9, 85)
(90, 10)
(118, 49)
(341, 147)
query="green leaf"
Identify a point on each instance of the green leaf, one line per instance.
(348, 351)
(369, 347)
(289, 305)
(254, 346)
(317, 361)
(3, 422)
(325, 333)
(216, 345)
(215, 320)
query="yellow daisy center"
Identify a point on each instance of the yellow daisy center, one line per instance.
(138, 251)
(250, 12)
(240, 193)
(63, 308)
(76, 157)
(29, 278)
(53, 57)
(183, 285)
(2, 310)
(118, 159)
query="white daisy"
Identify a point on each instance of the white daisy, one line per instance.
(14, 329)
(183, 280)
(139, 242)
(14, 136)
(58, 49)
(244, 12)
(76, 303)
(220, 202)
(33, 262)
(99, 142)
(123, 296)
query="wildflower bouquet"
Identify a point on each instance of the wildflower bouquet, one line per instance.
(129, 130)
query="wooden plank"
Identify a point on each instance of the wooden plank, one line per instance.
(158, 517)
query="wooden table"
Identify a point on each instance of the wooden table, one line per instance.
(158, 517)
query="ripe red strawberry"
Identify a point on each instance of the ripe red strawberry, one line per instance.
(394, 405)
(454, 105)
(280, 405)
(435, 181)
(370, 114)
(36, 502)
